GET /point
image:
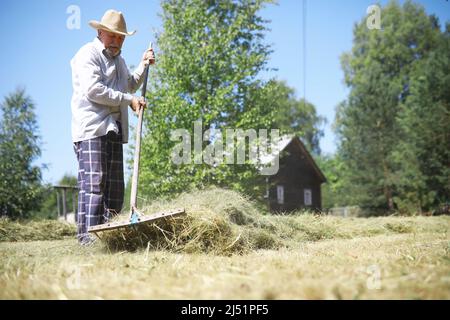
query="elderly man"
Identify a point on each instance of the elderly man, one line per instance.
(102, 85)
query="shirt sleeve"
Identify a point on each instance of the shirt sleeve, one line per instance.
(92, 86)
(136, 78)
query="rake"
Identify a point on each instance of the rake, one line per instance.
(136, 217)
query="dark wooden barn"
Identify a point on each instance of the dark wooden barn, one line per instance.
(297, 184)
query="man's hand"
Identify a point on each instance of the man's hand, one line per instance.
(148, 57)
(137, 104)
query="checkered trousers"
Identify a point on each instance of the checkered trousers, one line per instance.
(100, 181)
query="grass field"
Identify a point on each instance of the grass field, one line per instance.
(299, 257)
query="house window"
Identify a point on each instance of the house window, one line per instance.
(266, 196)
(280, 194)
(307, 196)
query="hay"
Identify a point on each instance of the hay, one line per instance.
(35, 230)
(217, 221)
(226, 222)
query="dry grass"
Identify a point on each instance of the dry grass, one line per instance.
(225, 249)
(410, 267)
(214, 222)
(34, 230)
(225, 222)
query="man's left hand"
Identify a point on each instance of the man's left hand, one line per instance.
(148, 57)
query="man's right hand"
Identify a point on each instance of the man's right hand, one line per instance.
(137, 103)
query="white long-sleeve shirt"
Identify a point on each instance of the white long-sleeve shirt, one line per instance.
(101, 92)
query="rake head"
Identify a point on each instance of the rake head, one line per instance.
(135, 220)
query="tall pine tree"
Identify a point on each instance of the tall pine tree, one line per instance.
(423, 153)
(378, 72)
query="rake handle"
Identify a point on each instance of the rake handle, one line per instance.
(137, 151)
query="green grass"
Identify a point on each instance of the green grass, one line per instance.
(299, 256)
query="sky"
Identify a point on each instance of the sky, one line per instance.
(37, 46)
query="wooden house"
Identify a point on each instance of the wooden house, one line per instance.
(297, 184)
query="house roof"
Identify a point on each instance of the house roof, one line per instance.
(282, 144)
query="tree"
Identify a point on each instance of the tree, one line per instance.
(423, 154)
(335, 191)
(49, 208)
(20, 180)
(297, 116)
(210, 55)
(378, 71)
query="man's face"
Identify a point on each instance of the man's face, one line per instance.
(112, 41)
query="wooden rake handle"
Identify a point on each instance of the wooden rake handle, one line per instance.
(137, 151)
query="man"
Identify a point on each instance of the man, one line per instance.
(102, 85)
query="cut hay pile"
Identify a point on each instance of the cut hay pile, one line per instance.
(35, 230)
(216, 220)
(224, 222)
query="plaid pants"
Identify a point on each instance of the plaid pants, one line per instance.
(100, 181)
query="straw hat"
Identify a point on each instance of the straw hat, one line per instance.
(112, 21)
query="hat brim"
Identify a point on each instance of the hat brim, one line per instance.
(97, 25)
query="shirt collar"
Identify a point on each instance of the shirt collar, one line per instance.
(101, 48)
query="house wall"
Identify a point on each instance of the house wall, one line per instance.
(295, 174)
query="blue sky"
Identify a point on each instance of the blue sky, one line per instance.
(37, 48)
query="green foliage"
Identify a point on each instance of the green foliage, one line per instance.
(297, 116)
(372, 123)
(20, 188)
(335, 191)
(423, 154)
(49, 208)
(209, 56)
